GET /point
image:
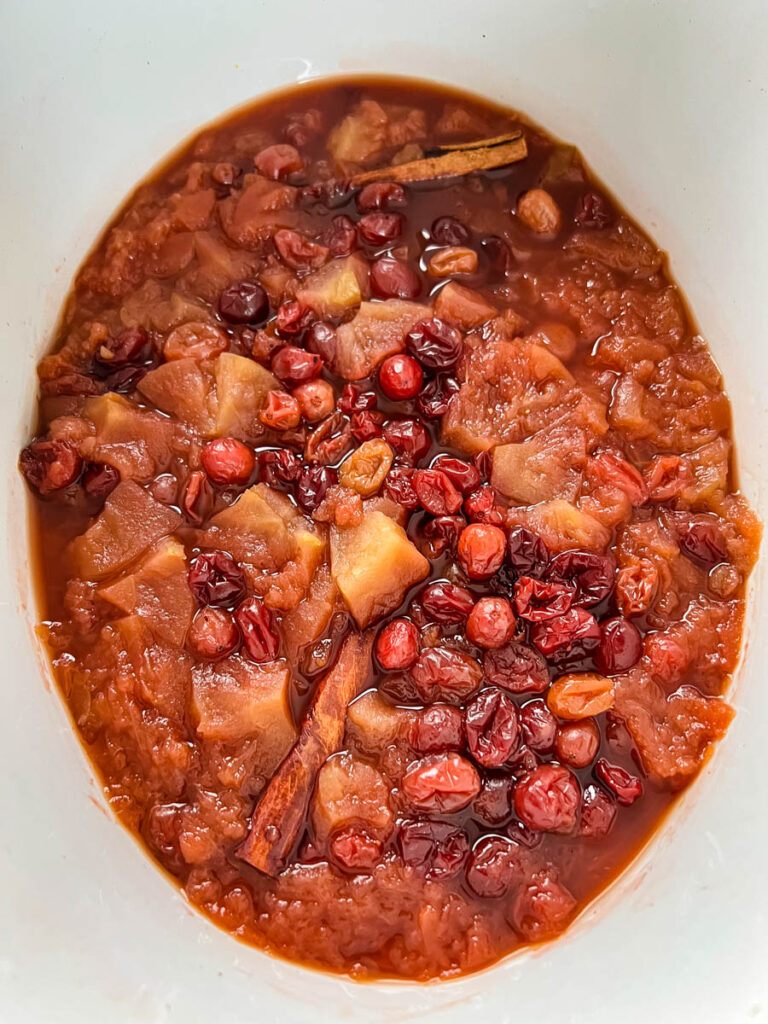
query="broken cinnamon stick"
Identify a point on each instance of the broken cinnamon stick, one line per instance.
(455, 162)
(497, 140)
(280, 813)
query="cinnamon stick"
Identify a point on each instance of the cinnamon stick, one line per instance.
(497, 140)
(280, 813)
(455, 162)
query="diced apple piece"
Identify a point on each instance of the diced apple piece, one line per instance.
(135, 442)
(361, 136)
(241, 388)
(373, 724)
(374, 564)
(162, 672)
(548, 465)
(463, 307)
(562, 526)
(150, 306)
(251, 531)
(337, 287)
(262, 208)
(181, 389)
(236, 699)
(377, 330)
(158, 592)
(309, 620)
(349, 791)
(130, 522)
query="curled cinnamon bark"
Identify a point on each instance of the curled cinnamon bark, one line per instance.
(453, 162)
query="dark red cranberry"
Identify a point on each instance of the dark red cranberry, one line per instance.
(621, 646)
(299, 252)
(50, 465)
(442, 534)
(591, 575)
(593, 211)
(491, 623)
(483, 463)
(329, 441)
(197, 497)
(126, 347)
(527, 553)
(400, 377)
(312, 486)
(321, 338)
(449, 231)
(441, 783)
(481, 550)
(482, 506)
(381, 195)
(434, 849)
(569, 637)
(702, 541)
(436, 492)
(436, 344)
(408, 438)
(397, 645)
(215, 578)
(125, 379)
(367, 425)
(548, 799)
(447, 603)
(244, 302)
(536, 600)
(625, 786)
(398, 485)
(257, 624)
(444, 674)
(293, 318)
(100, 479)
(495, 866)
(393, 279)
(493, 804)
(341, 237)
(598, 813)
(228, 462)
(463, 475)
(517, 668)
(498, 253)
(491, 727)
(354, 399)
(377, 229)
(295, 366)
(527, 837)
(523, 762)
(436, 729)
(213, 634)
(279, 468)
(436, 396)
(355, 850)
(541, 908)
(577, 743)
(329, 194)
(538, 726)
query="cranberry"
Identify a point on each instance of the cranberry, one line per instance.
(436, 729)
(436, 344)
(397, 646)
(50, 465)
(592, 575)
(523, 762)
(354, 400)
(542, 908)
(366, 426)
(481, 506)
(598, 813)
(436, 396)
(498, 252)
(278, 468)
(463, 475)
(491, 727)
(400, 377)
(577, 742)
(293, 318)
(260, 636)
(398, 485)
(481, 550)
(447, 603)
(377, 229)
(321, 339)
(520, 833)
(331, 194)
(449, 231)
(568, 637)
(125, 379)
(667, 657)
(517, 668)
(393, 279)
(625, 786)
(491, 623)
(215, 578)
(610, 468)
(312, 486)
(126, 347)
(341, 236)
(493, 804)
(408, 438)
(526, 552)
(100, 479)
(442, 534)
(434, 849)
(495, 866)
(228, 462)
(355, 850)
(537, 601)
(296, 366)
(636, 587)
(444, 674)
(436, 492)
(316, 400)
(444, 783)
(213, 634)
(299, 252)
(593, 211)
(278, 161)
(703, 542)
(244, 302)
(381, 195)
(620, 646)
(164, 488)
(538, 726)
(197, 497)
(329, 441)
(666, 477)
(281, 411)
(548, 799)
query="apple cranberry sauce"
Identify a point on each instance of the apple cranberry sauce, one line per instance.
(392, 557)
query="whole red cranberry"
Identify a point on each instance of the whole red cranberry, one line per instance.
(257, 624)
(481, 550)
(355, 850)
(593, 211)
(316, 400)
(493, 804)
(197, 497)
(321, 339)
(495, 866)
(621, 646)
(442, 783)
(354, 399)
(436, 729)
(445, 674)
(491, 623)
(463, 475)
(446, 603)
(598, 813)
(100, 479)
(393, 279)
(398, 485)
(538, 726)
(213, 634)
(299, 252)
(408, 438)
(482, 506)
(516, 667)
(542, 908)
(527, 553)
(442, 534)
(536, 600)
(50, 465)
(381, 195)
(449, 231)
(341, 236)
(377, 229)
(491, 727)
(312, 486)
(397, 646)
(367, 425)
(702, 541)
(567, 638)
(625, 786)
(591, 575)
(281, 411)
(436, 492)
(577, 743)
(400, 377)
(434, 849)
(498, 253)
(228, 462)
(548, 799)
(436, 344)
(296, 366)
(244, 302)
(436, 396)
(215, 578)
(293, 318)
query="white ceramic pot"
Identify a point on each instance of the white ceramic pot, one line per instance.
(669, 103)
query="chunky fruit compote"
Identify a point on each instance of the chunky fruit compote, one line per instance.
(393, 563)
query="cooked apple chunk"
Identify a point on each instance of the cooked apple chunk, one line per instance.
(241, 389)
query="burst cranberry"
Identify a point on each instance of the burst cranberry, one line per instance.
(491, 623)
(278, 161)
(316, 400)
(321, 339)
(620, 646)
(228, 462)
(523, 762)
(493, 804)
(50, 465)
(527, 553)
(341, 236)
(279, 468)
(377, 229)
(667, 476)
(434, 399)
(329, 441)
(491, 727)
(100, 479)
(400, 377)
(481, 550)
(398, 485)
(577, 742)
(442, 534)
(381, 195)
(548, 799)
(593, 211)
(299, 252)
(567, 638)
(215, 578)
(296, 366)
(393, 279)
(367, 425)
(293, 318)
(538, 726)
(517, 668)
(598, 813)
(463, 475)
(444, 674)
(257, 624)
(312, 486)
(495, 866)
(498, 253)
(481, 506)
(213, 634)
(355, 850)
(542, 907)
(636, 587)
(436, 344)
(444, 783)
(244, 302)
(197, 497)
(449, 231)
(353, 399)
(281, 411)
(536, 601)
(702, 541)
(625, 786)
(434, 849)
(408, 438)
(397, 646)
(436, 492)
(126, 347)
(447, 603)
(590, 574)
(436, 729)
